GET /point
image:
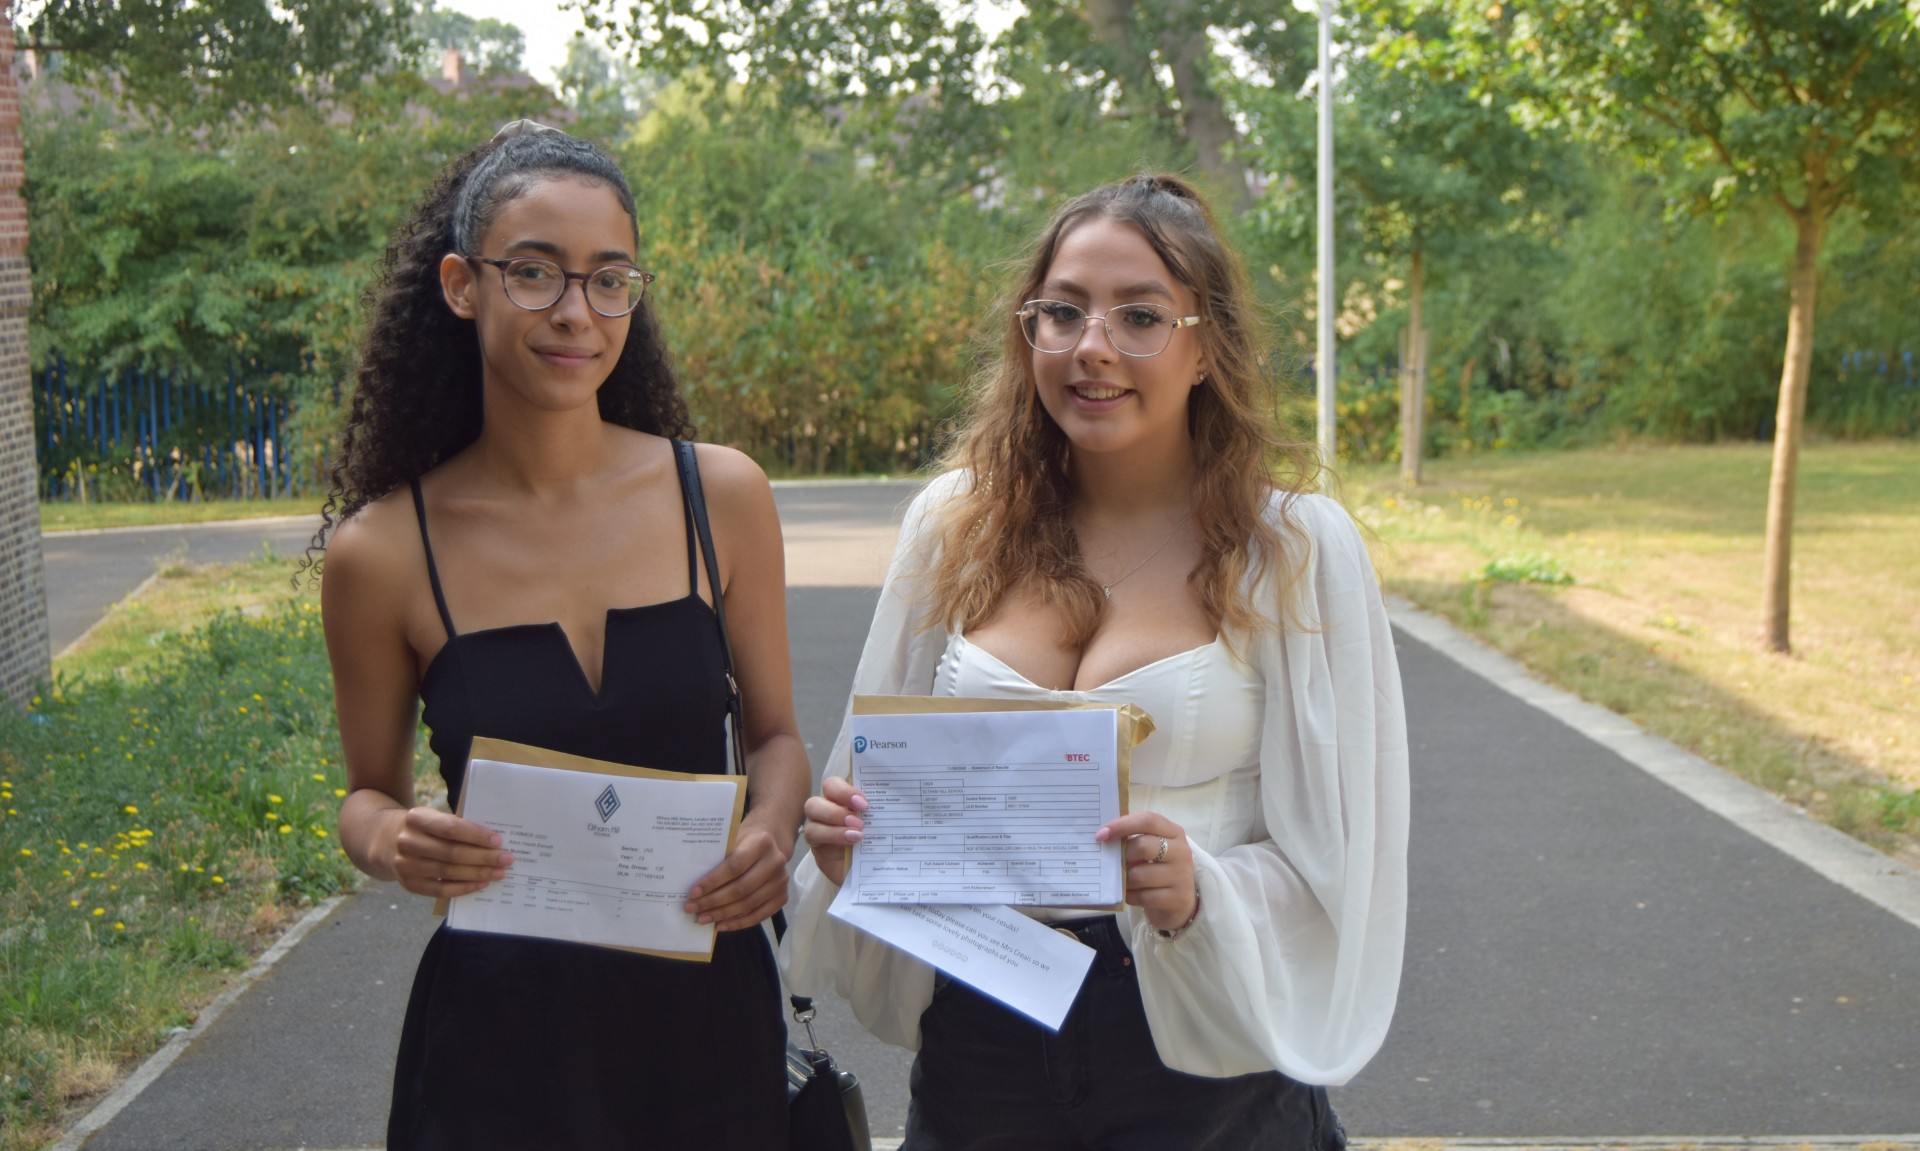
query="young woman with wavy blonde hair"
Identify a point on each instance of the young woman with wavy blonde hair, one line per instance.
(1121, 523)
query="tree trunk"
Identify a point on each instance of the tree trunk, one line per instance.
(1809, 225)
(1203, 121)
(1466, 400)
(1413, 376)
(1185, 49)
(1112, 24)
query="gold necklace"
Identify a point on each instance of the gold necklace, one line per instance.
(1107, 588)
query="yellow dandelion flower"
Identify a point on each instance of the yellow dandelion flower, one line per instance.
(256, 698)
(26, 851)
(340, 793)
(319, 777)
(119, 926)
(275, 799)
(286, 829)
(196, 870)
(243, 711)
(98, 912)
(140, 866)
(73, 903)
(216, 879)
(131, 809)
(320, 832)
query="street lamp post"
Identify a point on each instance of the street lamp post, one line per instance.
(1325, 362)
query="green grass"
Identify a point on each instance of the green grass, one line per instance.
(66, 517)
(167, 805)
(1632, 577)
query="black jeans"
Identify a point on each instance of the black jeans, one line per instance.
(989, 1079)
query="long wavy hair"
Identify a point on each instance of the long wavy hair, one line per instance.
(417, 396)
(1009, 528)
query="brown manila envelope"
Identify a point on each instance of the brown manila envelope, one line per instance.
(1131, 726)
(505, 751)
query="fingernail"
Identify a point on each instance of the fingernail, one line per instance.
(1103, 835)
(705, 919)
(499, 873)
(858, 802)
(695, 893)
(853, 836)
(506, 859)
(855, 823)
(493, 840)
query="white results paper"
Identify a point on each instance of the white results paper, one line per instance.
(997, 951)
(597, 858)
(987, 807)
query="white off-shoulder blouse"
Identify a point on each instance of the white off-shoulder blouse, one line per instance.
(1288, 772)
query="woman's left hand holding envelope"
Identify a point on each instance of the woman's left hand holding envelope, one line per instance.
(748, 885)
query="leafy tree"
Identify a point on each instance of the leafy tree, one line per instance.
(211, 59)
(152, 250)
(1430, 171)
(1155, 62)
(1811, 108)
(487, 46)
(608, 96)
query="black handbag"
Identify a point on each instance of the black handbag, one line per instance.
(826, 1110)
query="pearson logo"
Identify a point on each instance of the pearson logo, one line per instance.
(607, 803)
(859, 744)
(862, 743)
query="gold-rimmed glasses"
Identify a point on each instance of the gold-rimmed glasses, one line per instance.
(1137, 330)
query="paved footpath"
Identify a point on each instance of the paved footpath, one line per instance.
(1609, 940)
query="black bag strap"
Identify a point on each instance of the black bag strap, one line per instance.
(696, 498)
(697, 503)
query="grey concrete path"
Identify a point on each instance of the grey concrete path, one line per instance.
(89, 571)
(1591, 955)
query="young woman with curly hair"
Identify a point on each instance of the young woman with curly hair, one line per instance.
(509, 545)
(1120, 523)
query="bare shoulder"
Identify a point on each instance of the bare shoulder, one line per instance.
(728, 472)
(373, 553)
(737, 490)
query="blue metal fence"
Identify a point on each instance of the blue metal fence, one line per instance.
(146, 434)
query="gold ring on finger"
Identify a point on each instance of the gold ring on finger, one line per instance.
(1161, 855)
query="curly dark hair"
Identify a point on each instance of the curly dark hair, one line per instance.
(417, 398)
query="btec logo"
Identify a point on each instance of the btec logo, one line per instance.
(607, 804)
(859, 744)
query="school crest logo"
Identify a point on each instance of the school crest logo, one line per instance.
(607, 804)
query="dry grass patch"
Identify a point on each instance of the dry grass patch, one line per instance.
(1632, 577)
(139, 629)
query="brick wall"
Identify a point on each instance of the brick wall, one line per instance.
(25, 658)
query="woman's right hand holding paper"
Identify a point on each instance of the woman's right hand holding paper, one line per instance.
(833, 825)
(440, 854)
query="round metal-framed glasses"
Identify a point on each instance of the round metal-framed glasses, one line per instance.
(612, 290)
(1137, 330)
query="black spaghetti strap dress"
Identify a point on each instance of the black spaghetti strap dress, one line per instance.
(518, 1044)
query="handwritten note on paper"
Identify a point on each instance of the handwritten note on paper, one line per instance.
(604, 859)
(995, 950)
(987, 807)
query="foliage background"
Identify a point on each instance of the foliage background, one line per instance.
(831, 242)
